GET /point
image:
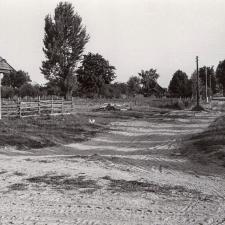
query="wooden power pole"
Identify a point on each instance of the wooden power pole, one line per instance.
(210, 86)
(198, 97)
(206, 84)
(197, 107)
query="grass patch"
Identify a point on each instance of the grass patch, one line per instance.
(138, 186)
(17, 187)
(19, 174)
(64, 182)
(46, 131)
(3, 171)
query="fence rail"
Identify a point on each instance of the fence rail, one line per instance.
(19, 108)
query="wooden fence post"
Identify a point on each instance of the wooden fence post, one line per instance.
(62, 106)
(72, 104)
(8, 110)
(39, 105)
(19, 108)
(52, 106)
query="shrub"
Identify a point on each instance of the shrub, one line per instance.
(7, 92)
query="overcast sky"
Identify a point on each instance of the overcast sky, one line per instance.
(131, 34)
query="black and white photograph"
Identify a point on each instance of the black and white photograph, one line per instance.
(112, 112)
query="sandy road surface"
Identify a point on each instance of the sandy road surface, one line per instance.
(132, 174)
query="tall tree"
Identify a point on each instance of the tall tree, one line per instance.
(15, 79)
(64, 42)
(94, 73)
(148, 80)
(179, 85)
(220, 74)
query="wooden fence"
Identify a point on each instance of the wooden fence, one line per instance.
(56, 105)
(37, 107)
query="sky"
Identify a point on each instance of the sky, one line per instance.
(133, 35)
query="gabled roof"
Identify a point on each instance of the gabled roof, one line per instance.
(5, 67)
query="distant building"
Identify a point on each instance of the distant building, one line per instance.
(157, 92)
(5, 67)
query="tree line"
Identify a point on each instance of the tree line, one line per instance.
(70, 72)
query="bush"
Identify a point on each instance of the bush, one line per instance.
(7, 92)
(28, 90)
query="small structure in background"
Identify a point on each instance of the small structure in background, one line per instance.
(4, 68)
(156, 92)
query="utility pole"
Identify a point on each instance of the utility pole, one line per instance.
(197, 107)
(206, 85)
(197, 82)
(210, 85)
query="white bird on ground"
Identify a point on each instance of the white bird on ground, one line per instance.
(91, 121)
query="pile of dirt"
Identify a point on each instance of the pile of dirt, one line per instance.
(112, 107)
(198, 108)
(208, 146)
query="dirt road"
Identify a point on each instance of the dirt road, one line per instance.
(131, 175)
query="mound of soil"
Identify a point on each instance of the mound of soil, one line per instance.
(208, 146)
(108, 107)
(198, 108)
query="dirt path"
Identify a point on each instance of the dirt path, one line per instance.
(131, 175)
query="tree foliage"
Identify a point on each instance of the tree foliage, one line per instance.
(148, 79)
(220, 74)
(7, 92)
(94, 73)
(64, 42)
(120, 89)
(211, 78)
(180, 85)
(28, 90)
(133, 85)
(15, 79)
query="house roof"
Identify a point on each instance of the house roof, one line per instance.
(4, 66)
